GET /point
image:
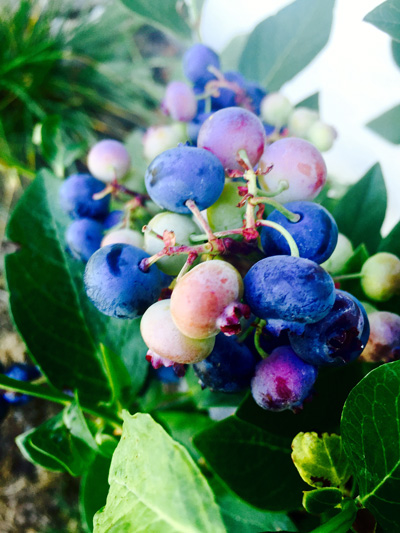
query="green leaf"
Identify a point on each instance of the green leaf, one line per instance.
(288, 42)
(354, 264)
(387, 125)
(51, 143)
(266, 477)
(391, 243)
(62, 443)
(396, 52)
(341, 523)
(240, 517)
(61, 328)
(312, 102)
(370, 432)
(183, 426)
(320, 460)
(386, 17)
(162, 13)
(230, 55)
(155, 486)
(93, 490)
(321, 500)
(117, 374)
(361, 211)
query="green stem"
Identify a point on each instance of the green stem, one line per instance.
(54, 395)
(348, 276)
(257, 336)
(294, 251)
(292, 217)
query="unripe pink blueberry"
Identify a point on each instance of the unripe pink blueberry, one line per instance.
(380, 276)
(108, 160)
(229, 130)
(202, 295)
(384, 339)
(164, 339)
(297, 162)
(124, 236)
(180, 101)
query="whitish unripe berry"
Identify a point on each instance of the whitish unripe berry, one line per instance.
(276, 109)
(108, 160)
(157, 139)
(301, 120)
(322, 136)
(381, 276)
(124, 236)
(341, 254)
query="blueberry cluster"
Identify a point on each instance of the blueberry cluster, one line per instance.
(233, 273)
(211, 90)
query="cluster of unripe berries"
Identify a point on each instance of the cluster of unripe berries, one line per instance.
(241, 283)
(210, 90)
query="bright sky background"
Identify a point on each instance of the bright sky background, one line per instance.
(355, 75)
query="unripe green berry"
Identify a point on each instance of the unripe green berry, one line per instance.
(322, 135)
(381, 276)
(276, 109)
(300, 122)
(341, 254)
(157, 139)
(223, 214)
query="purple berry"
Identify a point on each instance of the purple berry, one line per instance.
(282, 381)
(384, 340)
(83, 238)
(289, 288)
(108, 160)
(196, 61)
(113, 219)
(316, 232)
(255, 93)
(180, 101)
(185, 173)
(76, 197)
(117, 286)
(232, 129)
(338, 338)
(229, 367)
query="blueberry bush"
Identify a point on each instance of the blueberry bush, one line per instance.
(221, 333)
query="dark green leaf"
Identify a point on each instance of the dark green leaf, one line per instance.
(371, 434)
(61, 328)
(206, 398)
(341, 523)
(387, 125)
(240, 517)
(62, 443)
(361, 211)
(162, 13)
(51, 143)
(93, 490)
(155, 486)
(117, 374)
(312, 102)
(266, 476)
(386, 17)
(321, 500)
(281, 46)
(391, 243)
(320, 459)
(353, 266)
(183, 426)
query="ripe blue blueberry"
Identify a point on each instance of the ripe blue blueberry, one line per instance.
(289, 288)
(255, 93)
(113, 218)
(196, 61)
(185, 173)
(338, 338)
(20, 372)
(117, 286)
(76, 197)
(83, 238)
(316, 232)
(229, 367)
(228, 97)
(282, 381)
